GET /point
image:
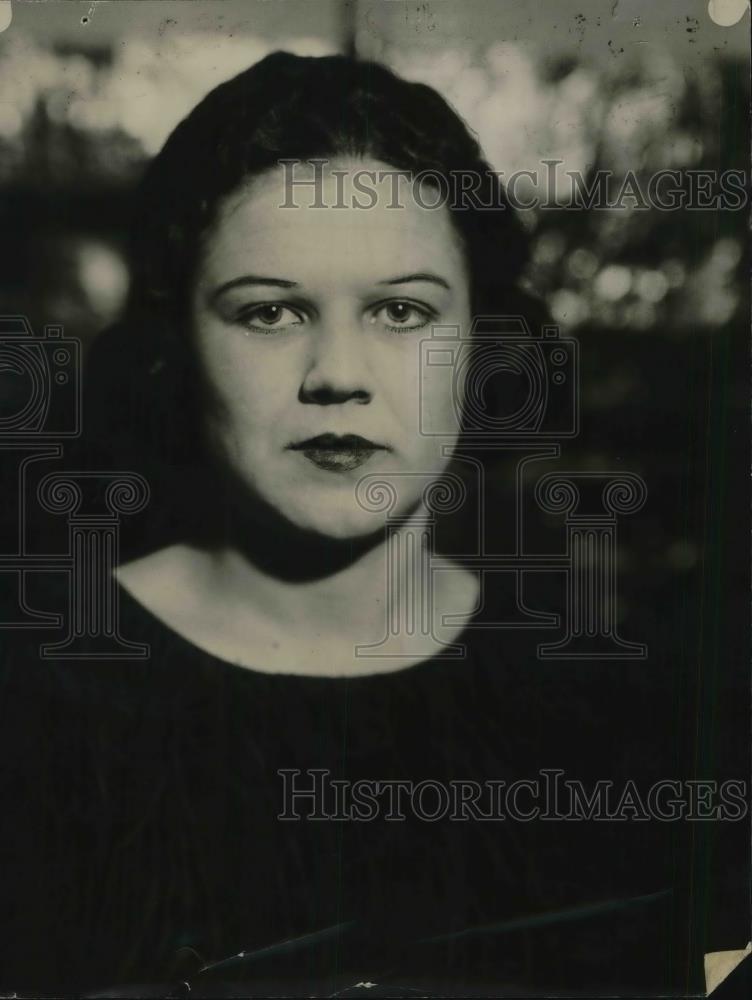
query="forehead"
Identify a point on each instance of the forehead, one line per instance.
(258, 227)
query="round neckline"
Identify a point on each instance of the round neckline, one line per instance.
(462, 637)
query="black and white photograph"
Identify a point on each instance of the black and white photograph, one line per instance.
(375, 499)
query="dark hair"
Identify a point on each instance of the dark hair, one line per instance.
(283, 107)
(293, 107)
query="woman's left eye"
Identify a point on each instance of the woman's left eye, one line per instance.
(400, 315)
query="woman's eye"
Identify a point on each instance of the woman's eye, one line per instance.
(399, 315)
(269, 317)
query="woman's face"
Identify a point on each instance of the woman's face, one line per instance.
(308, 325)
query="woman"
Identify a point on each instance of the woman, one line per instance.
(192, 818)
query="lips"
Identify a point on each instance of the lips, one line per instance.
(338, 452)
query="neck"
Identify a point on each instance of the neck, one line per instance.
(296, 577)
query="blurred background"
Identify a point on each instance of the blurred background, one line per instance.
(659, 300)
(89, 91)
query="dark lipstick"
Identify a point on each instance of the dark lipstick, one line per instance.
(337, 452)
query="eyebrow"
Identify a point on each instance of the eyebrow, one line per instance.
(406, 279)
(253, 280)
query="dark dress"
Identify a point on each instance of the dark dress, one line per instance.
(142, 844)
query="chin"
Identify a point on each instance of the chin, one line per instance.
(338, 525)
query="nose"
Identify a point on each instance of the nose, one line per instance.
(337, 370)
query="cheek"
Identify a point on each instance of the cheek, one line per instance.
(248, 396)
(441, 402)
(426, 393)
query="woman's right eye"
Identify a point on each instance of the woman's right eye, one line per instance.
(269, 317)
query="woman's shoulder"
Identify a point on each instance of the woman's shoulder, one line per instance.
(53, 669)
(186, 589)
(161, 580)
